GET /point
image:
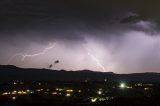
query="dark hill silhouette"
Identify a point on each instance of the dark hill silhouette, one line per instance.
(9, 72)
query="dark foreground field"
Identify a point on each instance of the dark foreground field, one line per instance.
(60, 102)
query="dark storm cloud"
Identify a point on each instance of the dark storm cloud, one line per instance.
(61, 18)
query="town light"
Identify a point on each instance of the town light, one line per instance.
(122, 85)
(99, 92)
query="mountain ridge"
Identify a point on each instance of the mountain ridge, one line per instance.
(11, 72)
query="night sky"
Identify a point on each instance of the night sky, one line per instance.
(121, 36)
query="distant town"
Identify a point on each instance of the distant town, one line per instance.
(87, 92)
(84, 92)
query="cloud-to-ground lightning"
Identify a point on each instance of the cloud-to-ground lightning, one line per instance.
(98, 63)
(24, 56)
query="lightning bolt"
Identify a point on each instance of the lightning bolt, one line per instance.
(96, 60)
(24, 56)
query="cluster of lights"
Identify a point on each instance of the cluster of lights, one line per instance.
(57, 92)
(69, 90)
(123, 86)
(59, 89)
(18, 92)
(39, 90)
(67, 94)
(95, 99)
(6, 93)
(17, 82)
(147, 88)
(141, 84)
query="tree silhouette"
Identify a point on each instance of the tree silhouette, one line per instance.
(55, 62)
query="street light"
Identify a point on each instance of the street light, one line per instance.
(122, 85)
